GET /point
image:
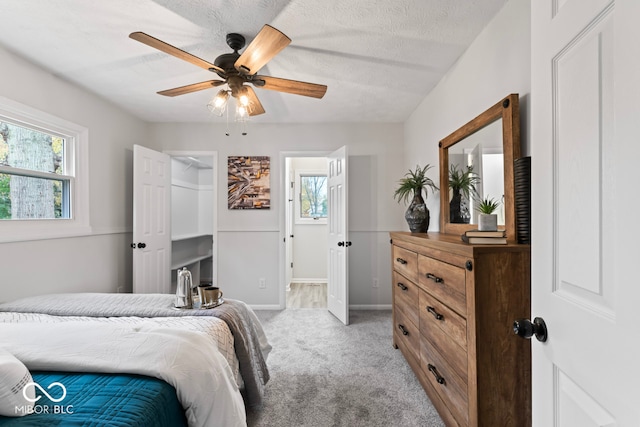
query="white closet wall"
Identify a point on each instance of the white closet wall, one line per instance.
(191, 218)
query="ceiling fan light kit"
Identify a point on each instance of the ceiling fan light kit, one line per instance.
(218, 104)
(237, 70)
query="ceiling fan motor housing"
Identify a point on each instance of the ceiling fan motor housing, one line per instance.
(235, 41)
(226, 61)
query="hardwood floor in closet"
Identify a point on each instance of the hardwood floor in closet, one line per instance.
(307, 295)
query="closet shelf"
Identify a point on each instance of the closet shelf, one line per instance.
(179, 263)
(189, 236)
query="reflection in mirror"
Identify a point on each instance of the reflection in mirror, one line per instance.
(482, 154)
(489, 144)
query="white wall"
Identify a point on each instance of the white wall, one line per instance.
(496, 64)
(191, 199)
(100, 262)
(249, 242)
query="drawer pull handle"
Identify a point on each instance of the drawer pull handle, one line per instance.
(435, 373)
(404, 331)
(433, 311)
(401, 261)
(434, 278)
(401, 286)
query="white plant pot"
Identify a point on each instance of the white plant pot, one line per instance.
(488, 222)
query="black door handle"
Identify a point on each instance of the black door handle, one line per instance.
(526, 329)
(142, 245)
(340, 243)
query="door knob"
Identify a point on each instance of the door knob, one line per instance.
(340, 243)
(142, 245)
(526, 329)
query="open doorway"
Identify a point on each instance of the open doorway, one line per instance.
(306, 230)
(193, 215)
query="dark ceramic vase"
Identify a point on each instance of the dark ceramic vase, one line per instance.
(417, 215)
(456, 211)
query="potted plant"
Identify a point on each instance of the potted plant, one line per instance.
(487, 220)
(462, 183)
(411, 186)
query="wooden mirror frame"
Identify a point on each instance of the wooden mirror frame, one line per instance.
(508, 110)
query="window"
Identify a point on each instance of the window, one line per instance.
(43, 193)
(311, 188)
(33, 184)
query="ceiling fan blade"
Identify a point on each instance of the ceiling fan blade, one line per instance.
(191, 88)
(172, 50)
(265, 46)
(290, 86)
(256, 106)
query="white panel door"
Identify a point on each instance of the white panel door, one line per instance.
(338, 286)
(151, 221)
(584, 146)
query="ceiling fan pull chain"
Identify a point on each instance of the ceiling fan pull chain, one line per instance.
(227, 132)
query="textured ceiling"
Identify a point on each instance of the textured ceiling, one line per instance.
(379, 58)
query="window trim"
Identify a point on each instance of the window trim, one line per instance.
(76, 170)
(297, 191)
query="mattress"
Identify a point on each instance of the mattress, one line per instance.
(101, 400)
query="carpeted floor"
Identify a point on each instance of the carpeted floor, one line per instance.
(326, 374)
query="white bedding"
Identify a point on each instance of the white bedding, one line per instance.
(216, 329)
(250, 343)
(188, 360)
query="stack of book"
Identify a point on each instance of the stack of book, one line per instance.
(484, 237)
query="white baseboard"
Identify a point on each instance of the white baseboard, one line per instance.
(370, 307)
(304, 280)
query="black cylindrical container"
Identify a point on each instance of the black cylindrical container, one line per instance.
(522, 196)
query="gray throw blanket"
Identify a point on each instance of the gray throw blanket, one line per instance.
(236, 314)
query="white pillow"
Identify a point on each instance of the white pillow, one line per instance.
(13, 377)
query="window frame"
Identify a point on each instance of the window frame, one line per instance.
(299, 173)
(76, 160)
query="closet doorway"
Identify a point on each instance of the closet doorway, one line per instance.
(193, 215)
(306, 232)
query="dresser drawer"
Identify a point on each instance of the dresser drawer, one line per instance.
(444, 281)
(406, 263)
(406, 297)
(407, 333)
(434, 314)
(450, 387)
(444, 344)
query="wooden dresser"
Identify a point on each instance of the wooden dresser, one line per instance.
(454, 305)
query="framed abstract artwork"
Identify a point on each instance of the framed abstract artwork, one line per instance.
(248, 182)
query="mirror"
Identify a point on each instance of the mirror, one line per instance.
(487, 146)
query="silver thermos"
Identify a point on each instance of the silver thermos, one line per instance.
(184, 299)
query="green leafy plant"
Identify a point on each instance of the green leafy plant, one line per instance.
(413, 183)
(463, 181)
(488, 205)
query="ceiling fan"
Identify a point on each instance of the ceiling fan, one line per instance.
(237, 69)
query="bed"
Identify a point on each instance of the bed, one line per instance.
(211, 362)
